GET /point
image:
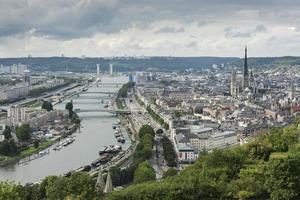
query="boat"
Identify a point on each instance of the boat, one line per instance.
(114, 126)
(102, 160)
(57, 147)
(103, 150)
(85, 168)
(105, 106)
(68, 141)
(110, 149)
(41, 153)
(121, 139)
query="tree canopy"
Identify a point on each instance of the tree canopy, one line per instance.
(23, 132)
(47, 106)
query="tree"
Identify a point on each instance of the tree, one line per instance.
(144, 173)
(177, 114)
(8, 147)
(69, 107)
(36, 144)
(10, 190)
(78, 186)
(170, 172)
(282, 178)
(159, 131)
(47, 106)
(7, 132)
(23, 132)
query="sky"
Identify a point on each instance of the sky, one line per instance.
(104, 28)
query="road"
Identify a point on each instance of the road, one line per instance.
(157, 159)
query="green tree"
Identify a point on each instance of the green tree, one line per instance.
(282, 178)
(144, 173)
(7, 132)
(69, 107)
(8, 147)
(177, 114)
(159, 131)
(23, 132)
(47, 106)
(9, 190)
(170, 172)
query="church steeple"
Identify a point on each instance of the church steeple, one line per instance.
(245, 62)
(246, 80)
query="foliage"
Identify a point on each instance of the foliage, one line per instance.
(119, 103)
(143, 152)
(47, 106)
(42, 90)
(155, 116)
(23, 132)
(10, 190)
(7, 132)
(78, 186)
(246, 172)
(159, 131)
(8, 147)
(243, 172)
(169, 152)
(177, 114)
(170, 172)
(144, 173)
(139, 100)
(122, 93)
(283, 178)
(69, 107)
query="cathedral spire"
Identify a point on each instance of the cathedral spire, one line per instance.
(246, 80)
(245, 62)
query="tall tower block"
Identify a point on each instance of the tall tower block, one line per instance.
(98, 70)
(246, 74)
(111, 69)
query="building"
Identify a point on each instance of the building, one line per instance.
(14, 92)
(2, 137)
(233, 84)
(111, 69)
(291, 90)
(27, 76)
(246, 80)
(186, 154)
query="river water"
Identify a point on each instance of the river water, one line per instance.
(95, 132)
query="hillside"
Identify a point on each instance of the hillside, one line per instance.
(267, 168)
(135, 64)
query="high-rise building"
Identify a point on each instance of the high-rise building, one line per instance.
(233, 84)
(98, 70)
(27, 76)
(291, 91)
(111, 69)
(246, 83)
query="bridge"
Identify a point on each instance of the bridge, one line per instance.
(95, 97)
(96, 92)
(110, 110)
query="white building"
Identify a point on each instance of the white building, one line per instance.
(2, 127)
(14, 92)
(186, 154)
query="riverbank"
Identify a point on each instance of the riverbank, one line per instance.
(31, 150)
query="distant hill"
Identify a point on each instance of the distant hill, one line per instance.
(134, 64)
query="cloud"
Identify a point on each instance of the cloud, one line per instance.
(192, 44)
(170, 30)
(118, 27)
(244, 32)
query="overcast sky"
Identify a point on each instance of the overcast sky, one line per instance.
(149, 27)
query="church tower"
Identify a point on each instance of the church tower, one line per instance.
(246, 73)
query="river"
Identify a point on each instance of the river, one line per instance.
(96, 131)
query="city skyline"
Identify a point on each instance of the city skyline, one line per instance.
(151, 28)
